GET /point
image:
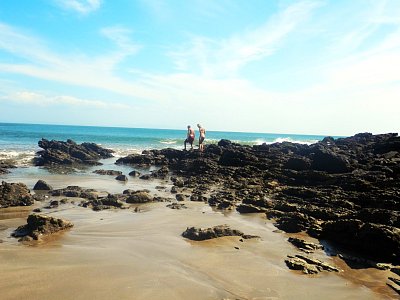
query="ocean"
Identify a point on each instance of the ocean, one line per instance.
(20, 141)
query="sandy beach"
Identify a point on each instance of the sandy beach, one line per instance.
(120, 254)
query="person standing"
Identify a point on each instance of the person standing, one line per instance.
(190, 137)
(202, 137)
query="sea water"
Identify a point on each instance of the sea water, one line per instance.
(20, 141)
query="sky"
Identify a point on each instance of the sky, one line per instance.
(274, 66)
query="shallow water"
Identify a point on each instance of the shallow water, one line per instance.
(119, 254)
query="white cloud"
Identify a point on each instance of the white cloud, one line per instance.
(83, 7)
(225, 57)
(40, 99)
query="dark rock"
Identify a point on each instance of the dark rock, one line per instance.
(380, 242)
(134, 173)
(14, 194)
(121, 178)
(180, 197)
(70, 153)
(42, 185)
(39, 226)
(250, 208)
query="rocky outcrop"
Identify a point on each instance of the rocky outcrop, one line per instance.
(139, 197)
(304, 188)
(14, 194)
(39, 226)
(200, 234)
(42, 185)
(70, 153)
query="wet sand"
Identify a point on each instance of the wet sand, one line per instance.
(119, 254)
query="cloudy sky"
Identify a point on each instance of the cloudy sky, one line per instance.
(308, 67)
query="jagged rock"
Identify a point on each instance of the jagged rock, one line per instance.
(70, 153)
(14, 194)
(308, 265)
(200, 234)
(42, 185)
(39, 226)
(107, 172)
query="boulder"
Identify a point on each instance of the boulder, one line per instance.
(42, 185)
(39, 226)
(14, 194)
(139, 197)
(121, 178)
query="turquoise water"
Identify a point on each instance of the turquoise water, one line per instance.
(20, 140)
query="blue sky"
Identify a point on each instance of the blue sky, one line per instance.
(311, 67)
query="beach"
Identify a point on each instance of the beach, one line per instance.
(138, 252)
(126, 255)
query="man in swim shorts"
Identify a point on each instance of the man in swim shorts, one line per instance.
(202, 137)
(190, 137)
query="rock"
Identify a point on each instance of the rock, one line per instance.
(176, 205)
(304, 187)
(139, 197)
(394, 284)
(180, 197)
(134, 173)
(200, 234)
(304, 245)
(107, 172)
(14, 194)
(121, 178)
(379, 242)
(109, 202)
(308, 265)
(39, 226)
(5, 165)
(42, 185)
(250, 208)
(70, 153)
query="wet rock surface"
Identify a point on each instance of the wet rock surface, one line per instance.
(344, 190)
(15, 194)
(39, 226)
(200, 234)
(70, 153)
